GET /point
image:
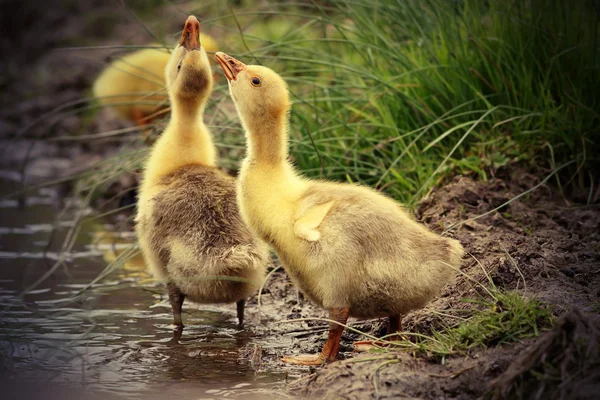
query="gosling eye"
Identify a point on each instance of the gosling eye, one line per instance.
(179, 65)
(256, 81)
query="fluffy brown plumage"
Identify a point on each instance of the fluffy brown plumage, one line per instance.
(197, 233)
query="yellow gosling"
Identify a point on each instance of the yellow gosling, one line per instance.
(188, 224)
(350, 249)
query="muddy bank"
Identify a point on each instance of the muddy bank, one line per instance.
(518, 371)
(563, 363)
(535, 244)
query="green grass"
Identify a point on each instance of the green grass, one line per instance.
(507, 317)
(399, 94)
(497, 317)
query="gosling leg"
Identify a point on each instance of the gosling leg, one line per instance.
(240, 312)
(394, 326)
(141, 121)
(176, 298)
(138, 117)
(332, 346)
(176, 336)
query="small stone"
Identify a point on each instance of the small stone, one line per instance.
(568, 272)
(469, 197)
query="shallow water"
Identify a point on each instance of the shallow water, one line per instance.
(115, 339)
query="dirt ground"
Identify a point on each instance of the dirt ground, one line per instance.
(538, 244)
(556, 249)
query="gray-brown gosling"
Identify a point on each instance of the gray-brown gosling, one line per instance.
(350, 249)
(188, 223)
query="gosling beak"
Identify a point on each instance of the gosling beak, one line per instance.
(230, 66)
(190, 37)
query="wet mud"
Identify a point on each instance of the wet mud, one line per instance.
(537, 245)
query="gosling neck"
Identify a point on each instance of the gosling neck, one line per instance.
(268, 141)
(187, 140)
(186, 114)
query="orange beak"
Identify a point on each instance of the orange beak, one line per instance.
(230, 66)
(190, 37)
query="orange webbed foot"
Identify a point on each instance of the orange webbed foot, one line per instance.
(304, 359)
(331, 347)
(367, 345)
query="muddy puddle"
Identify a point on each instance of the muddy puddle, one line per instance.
(115, 339)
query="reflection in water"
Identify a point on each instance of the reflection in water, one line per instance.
(114, 338)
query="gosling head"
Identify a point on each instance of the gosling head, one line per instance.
(260, 95)
(188, 74)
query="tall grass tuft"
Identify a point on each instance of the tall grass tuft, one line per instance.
(397, 94)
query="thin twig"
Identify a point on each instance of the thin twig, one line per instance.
(453, 375)
(258, 299)
(242, 34)
(139, 21)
